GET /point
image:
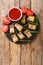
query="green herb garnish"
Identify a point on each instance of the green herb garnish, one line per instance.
(25, 40)
(7, 34)
(34, 31)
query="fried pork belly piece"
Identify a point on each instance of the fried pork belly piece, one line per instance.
(31, 26)
(11, 29)
(19, 27)
(31, 18)
(27, 33)
(20, 35)
(23, 19)
(15, 38)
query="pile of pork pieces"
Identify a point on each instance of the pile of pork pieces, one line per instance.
(19, 27)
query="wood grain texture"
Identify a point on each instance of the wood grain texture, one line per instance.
(14, 48)
(14, 3)
(4, 43)
(21, 54)
(36, 52)
(41, 33)
(14, 54)
(37, 45)
(36, 6)
(25, 48)
(25, 54)
(25, 3)
(11, 3)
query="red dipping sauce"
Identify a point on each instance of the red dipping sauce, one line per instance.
(15, 14)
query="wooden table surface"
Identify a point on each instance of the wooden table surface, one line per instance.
(21, 54)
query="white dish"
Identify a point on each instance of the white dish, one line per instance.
(19, 10)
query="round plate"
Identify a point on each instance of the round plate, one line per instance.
(25, 26)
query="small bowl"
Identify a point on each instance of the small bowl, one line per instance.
(12, 9)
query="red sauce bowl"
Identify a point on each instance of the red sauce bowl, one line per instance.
(15, 14)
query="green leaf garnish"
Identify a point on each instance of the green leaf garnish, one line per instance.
(7, 34)
(25, 40)
(34, 31)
